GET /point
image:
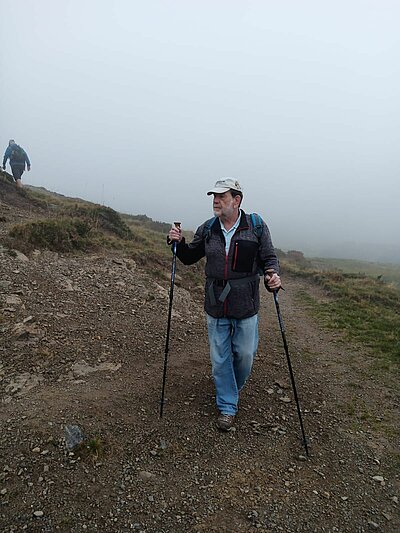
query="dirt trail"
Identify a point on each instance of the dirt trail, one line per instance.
(83, 343)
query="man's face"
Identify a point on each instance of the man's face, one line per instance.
(225, 205)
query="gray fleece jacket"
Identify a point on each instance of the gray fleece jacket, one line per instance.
(232, 281)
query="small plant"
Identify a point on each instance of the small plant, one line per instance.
(91, 449)
(95, 447)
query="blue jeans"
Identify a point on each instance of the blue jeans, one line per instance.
(233, 345)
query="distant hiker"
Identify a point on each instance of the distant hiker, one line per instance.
(236, 245)
(18, 158)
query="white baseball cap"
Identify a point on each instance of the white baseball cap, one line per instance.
(225, 185)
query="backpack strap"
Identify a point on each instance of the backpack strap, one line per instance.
(257, 224)
(258, 228)
(207, 228)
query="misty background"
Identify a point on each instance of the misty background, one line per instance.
(142, 106)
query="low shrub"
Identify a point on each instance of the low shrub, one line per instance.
(101, 217)
(60, 235)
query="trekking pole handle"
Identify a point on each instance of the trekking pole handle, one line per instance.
(169, 241)
(178, 226)
(270, 272)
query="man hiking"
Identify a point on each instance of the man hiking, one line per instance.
(236, 246)
(18, 158)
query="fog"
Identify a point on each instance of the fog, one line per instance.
(142, 106)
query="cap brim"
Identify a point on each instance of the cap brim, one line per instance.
(219, 190)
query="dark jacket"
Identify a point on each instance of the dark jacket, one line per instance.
(14, 161)
(232, 281)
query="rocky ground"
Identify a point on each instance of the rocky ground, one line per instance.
(82, 344)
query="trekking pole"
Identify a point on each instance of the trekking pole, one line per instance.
(285, 344)
(171, 295)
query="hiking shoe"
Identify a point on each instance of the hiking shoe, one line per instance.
(225, 422)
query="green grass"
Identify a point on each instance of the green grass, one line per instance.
(366, 309)
(62, 234)
(91, 449)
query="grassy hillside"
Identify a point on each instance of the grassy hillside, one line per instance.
(364, 307)
(73, 225)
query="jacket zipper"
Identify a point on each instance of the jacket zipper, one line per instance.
(226, 279)
(226, 264)
(235, 255)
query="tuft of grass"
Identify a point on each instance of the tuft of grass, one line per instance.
(92, 449)
(95, 447)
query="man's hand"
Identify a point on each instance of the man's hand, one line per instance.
(175, 233)
(272, 281)
(29, 168)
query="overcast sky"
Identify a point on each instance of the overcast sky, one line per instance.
(143, 105)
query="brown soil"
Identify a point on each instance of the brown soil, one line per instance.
(83, 342)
